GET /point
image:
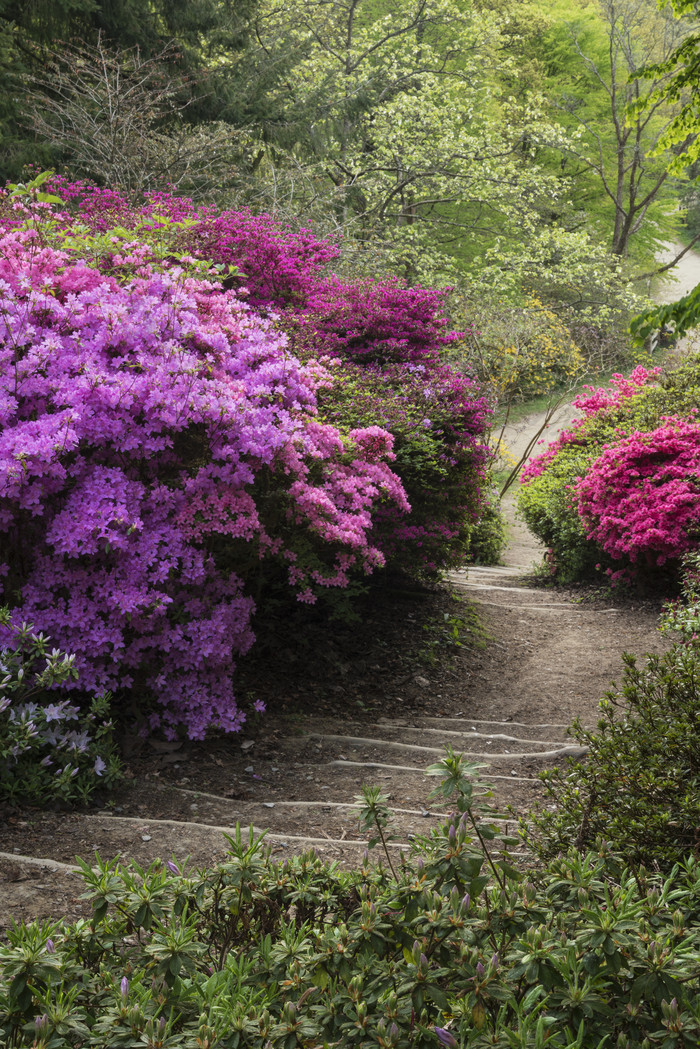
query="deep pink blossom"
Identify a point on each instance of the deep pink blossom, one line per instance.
(640, 500)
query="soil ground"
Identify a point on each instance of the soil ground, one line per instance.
(491, 663)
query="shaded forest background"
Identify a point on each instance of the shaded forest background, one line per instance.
(508, 149)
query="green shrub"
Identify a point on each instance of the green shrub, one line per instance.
(519, 351)
(487, 537)
(255, 953)
(681, 618)
(50, 749)
(545, 504)
(639, 787)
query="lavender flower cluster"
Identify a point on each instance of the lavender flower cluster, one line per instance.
(165, 431)
(49, 750)
(149, 420)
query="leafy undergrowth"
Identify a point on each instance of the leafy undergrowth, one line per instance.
(639, 785)
(300, 954)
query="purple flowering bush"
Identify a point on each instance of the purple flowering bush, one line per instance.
(158, 443)
(383, 341)
(169, 455)
(50, 749)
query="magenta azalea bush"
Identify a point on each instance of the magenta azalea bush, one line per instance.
(620, 490)
(641, 497)
(145, 425)
(161, 443)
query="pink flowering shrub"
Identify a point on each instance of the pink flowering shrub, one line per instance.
(281, 267)
(619, 491)
(598, 402)
(437, 416)
(159, 442)
(373, 322)
(640, 500)
(621, 388)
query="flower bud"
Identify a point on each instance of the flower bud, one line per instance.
(446, 1037)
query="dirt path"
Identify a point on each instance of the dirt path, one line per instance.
(684, 276)
(548, 659)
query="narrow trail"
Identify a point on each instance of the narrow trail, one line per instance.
(548, 659)
(679, 281)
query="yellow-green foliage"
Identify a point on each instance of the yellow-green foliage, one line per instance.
(524, 352)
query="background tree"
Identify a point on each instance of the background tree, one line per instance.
(618, 115)
(402, 131)
(207, 34)
(121, 118)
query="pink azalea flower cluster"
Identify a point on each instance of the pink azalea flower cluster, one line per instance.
(635, 492)
(373, 321)
(158, 440)
(640, 500)
(621, 387)
(598, 400)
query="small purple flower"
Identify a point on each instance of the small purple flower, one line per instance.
(172, 867)
(50, 947)
(480, 969)
(259, 706)
(124, 987)
(41, 1023)
(99, 766)
(446, 1037)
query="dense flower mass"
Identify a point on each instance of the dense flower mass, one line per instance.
(641, 497)
(382, 339)
(595, 401)
(142, 422)
(619, 489)
(161, 440)
(621, 388)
